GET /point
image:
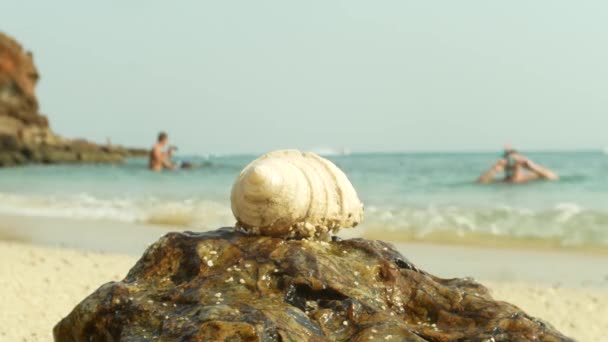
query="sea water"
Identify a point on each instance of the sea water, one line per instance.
(407, 196)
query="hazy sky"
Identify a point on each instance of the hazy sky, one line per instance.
(250, 76)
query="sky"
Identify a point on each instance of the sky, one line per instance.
(254, 76)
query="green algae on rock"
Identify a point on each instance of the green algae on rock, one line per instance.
(226, 285)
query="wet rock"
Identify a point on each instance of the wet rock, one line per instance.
(224, 285)
(25, 135)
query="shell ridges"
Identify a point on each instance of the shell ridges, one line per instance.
(291, 194)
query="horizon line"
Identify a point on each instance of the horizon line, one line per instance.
(421, 151)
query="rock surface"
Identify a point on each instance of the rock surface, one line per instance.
(25, 135)
(225, 285)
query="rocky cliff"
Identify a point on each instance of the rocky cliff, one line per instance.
(25, 135)
(227, 286)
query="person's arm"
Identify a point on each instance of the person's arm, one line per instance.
(540, 171)
(167, 163)
(488, 176)
(170, 152)
(167, 159)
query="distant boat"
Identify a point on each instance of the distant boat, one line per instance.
(343, 151)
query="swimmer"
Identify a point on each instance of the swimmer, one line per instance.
(517, 169)
(159, 158)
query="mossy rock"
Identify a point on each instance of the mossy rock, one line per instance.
(227, 286)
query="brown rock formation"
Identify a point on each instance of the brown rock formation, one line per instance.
(224, 285)
(25, 135)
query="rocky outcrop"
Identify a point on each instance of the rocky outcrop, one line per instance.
(225, 285)
(25, 135)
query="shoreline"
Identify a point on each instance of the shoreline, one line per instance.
(486, 241)
(53, 231)
(553, 267)
(87, 235)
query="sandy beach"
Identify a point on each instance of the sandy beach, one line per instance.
(42, 284)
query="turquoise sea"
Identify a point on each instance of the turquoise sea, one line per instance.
(407, 196)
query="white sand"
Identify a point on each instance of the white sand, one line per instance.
(40, 285)
(580, 313)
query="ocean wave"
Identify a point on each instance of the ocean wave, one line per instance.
(183, 213)
(564, 224)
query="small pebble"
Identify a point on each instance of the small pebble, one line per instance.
(242, 281)
(345, 323)
(209, 263)
(218, 295)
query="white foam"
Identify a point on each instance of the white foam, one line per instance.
(188, 213)
(570, 223)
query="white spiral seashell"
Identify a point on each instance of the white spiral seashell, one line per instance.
(288, 193)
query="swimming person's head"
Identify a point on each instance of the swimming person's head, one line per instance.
(512, 165)
(163, 138)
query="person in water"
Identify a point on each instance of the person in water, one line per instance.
(517, 169)
(159, 158)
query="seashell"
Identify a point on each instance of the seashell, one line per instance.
(292, 194)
